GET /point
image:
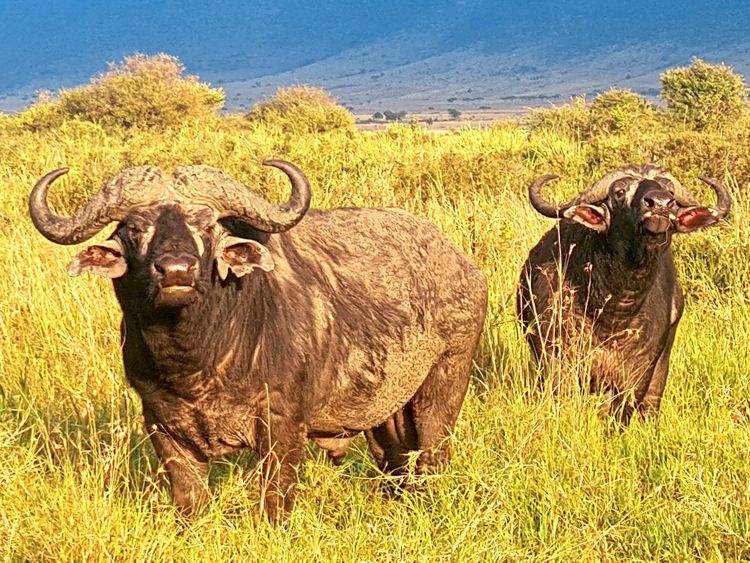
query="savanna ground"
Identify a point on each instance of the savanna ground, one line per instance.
(532, 477)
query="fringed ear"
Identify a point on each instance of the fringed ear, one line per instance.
(690, 219)
(595, 217)
(104, 259)
(241, 256)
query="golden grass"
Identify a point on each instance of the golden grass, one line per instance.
(531, 478)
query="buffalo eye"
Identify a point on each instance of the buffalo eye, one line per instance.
(620, 193)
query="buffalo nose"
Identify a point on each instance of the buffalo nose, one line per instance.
(175, 270)
(651, 202)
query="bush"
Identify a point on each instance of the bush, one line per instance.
(572, 120)
(143, 91)
(394, 115)
(454, 113)
(303, 109)
(619, 110)
(377, 115)
(704, 95)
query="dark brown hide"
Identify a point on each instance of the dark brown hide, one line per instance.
(599, 298)
(353, 320)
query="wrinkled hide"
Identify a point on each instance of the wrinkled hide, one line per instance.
(348, 320)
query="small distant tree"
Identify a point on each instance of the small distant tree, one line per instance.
(619, 110)
(704, 95)
(454, 113)
(570, 120)
(377, 115)
(394, 115)
(143, 91)
(303, 109)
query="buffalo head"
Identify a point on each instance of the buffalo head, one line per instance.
(172, 229)
(644, 200)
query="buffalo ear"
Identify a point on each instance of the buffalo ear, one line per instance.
(105, 259)
(241, 255)
(691, 219)
(595, 217)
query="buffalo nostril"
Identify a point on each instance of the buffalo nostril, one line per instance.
(648, 202)
(175, 270)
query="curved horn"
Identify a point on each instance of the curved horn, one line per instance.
(290, 213)
(600, 189)
(681, 195)
(723, 201)
(232, 199)
(554, 211)
(110, 204)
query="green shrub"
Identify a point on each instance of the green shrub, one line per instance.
(571, 120)
(303, 109)
(394, 115)
(143, 91)
(620, 110)
(45, 113)
(704, 95)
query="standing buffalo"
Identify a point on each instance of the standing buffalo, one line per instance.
(248, 324)
(599, 292)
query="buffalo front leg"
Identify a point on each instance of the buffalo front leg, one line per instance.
(649, 405)
(281, 446)
(187, 469)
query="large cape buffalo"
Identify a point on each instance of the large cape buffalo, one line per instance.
(253, 325)
(599, 293)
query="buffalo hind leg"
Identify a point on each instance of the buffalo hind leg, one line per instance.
(424, 424)
(393, 441)
(435, 408)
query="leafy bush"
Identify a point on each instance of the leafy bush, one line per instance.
(572, 120)
(704, 95)
(454, 113)
(143, 91)
(377, 115)
(620, 110)
(394, 115)
(303, 109)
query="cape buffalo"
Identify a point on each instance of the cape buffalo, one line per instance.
(599, 293)
(253, 325)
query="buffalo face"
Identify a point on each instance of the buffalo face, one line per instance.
(173, 237)
(172, 253)
(636, 203)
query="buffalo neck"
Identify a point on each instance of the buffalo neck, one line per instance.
(615, 272)
(202, 336)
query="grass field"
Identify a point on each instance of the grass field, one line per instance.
(531, 477)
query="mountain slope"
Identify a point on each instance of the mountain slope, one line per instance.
(375, 55)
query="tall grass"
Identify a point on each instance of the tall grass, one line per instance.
(531, 477)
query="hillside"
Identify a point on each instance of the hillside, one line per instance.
(446, 54)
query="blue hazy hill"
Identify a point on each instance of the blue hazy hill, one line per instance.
(417, 48)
